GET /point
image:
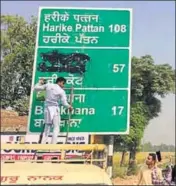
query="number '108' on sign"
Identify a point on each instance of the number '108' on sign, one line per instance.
(117, 28)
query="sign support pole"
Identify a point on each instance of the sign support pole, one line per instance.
(110, 155)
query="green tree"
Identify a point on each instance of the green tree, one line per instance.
(148, 81)
(138, 121)
(17, 48)
(147, 147)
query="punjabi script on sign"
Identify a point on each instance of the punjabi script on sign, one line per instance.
(71, 80)
(79, 98)
(67, 28)
(62, 29)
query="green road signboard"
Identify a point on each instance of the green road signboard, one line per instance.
(91, 48)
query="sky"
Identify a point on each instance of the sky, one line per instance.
(153, 34)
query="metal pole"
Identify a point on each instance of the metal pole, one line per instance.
(69, 117)
(68, 125)
(40, 139)
(110, 155)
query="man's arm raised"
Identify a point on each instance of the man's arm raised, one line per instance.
(40, 85)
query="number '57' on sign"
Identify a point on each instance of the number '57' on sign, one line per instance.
(118, 68)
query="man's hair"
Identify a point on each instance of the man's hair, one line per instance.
(158, 155)
(60, 79)
(153, 155)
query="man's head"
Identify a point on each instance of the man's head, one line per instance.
(151, 159)
(61, 81)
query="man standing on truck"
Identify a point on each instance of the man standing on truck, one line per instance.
(54, 93)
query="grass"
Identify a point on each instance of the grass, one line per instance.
(119, 171)
(140, 159)
(141, 156)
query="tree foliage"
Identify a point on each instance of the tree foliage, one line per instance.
(148, 147)
(17, 56)
(148, 81)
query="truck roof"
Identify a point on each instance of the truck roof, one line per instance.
(32, 173)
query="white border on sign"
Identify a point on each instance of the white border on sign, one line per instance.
(33, 75)
(129, 72)
(83, 47)
(84, 8)
(129, 69)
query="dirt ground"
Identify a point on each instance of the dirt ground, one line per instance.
(129, 180)
(10, 121)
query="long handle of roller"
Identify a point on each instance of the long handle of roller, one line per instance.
(69, 117)
(41, 135)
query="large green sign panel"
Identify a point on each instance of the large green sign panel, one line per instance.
(91, 48)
